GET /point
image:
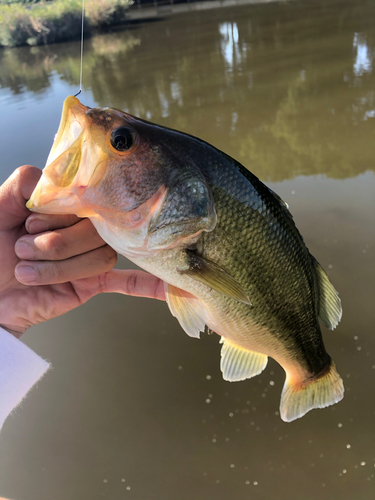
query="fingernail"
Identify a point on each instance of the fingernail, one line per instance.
(36, 226)
(26, 274)
(23, 250)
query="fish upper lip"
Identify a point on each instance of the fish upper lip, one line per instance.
(72, 124)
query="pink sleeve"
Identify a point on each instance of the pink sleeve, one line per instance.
(20, 369)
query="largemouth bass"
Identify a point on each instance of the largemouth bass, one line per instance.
(225, 245)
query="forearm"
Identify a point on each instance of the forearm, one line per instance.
(20, 369)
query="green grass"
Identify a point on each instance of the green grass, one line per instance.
(36, 23)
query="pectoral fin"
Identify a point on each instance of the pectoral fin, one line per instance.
(238, 363)
(215, 277)
(187, 309)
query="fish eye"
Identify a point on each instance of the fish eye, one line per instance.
(122, 139)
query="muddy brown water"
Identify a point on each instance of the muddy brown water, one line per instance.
(133, 407)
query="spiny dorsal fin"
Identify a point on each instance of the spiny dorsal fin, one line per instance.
(186, 308)
(238, 363)
(324, 390)
(330, 310)
(284, 204)
(213, 276)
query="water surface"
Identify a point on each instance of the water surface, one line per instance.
(134, 408)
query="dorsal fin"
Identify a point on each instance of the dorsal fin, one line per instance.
(284, 204)
(330, 310)
(238, 363)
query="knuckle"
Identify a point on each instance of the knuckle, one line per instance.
(53, 245)
(51, 273)
(109, 257)
(131, 283)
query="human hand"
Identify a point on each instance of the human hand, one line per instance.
(51, 264)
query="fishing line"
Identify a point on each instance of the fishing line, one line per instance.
(80, 73)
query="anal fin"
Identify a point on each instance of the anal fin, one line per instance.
(187, 309)
(238, 363)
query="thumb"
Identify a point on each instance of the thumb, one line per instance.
(14, 193)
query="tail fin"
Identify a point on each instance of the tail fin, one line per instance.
(325, 390)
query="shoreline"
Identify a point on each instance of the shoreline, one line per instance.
(57, 23)
(138, 12)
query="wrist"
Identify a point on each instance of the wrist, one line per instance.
(13, 332)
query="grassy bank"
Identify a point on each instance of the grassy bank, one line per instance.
(25, 23)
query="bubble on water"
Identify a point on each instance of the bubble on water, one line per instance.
(105, 480)
(123, 480)
(272, 382)
(128, 488)
(208, 377)
(264, 395)
(217, 481)
(247, 482)
(363, 464)
(214, 440)
(232, 466)
(344, 471)
(210, 396)
(255, 483)
(356, 337)
(323, 484)
(293, 191)
(179, 367)
(330, 266)
(348, 446)
(208, 400)
(226, 439)
(339, 425)
(231, 414)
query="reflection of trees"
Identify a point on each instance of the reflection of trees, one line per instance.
(276, 87)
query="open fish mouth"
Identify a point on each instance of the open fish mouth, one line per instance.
(59, 187)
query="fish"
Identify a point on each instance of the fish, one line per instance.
(226, 246)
